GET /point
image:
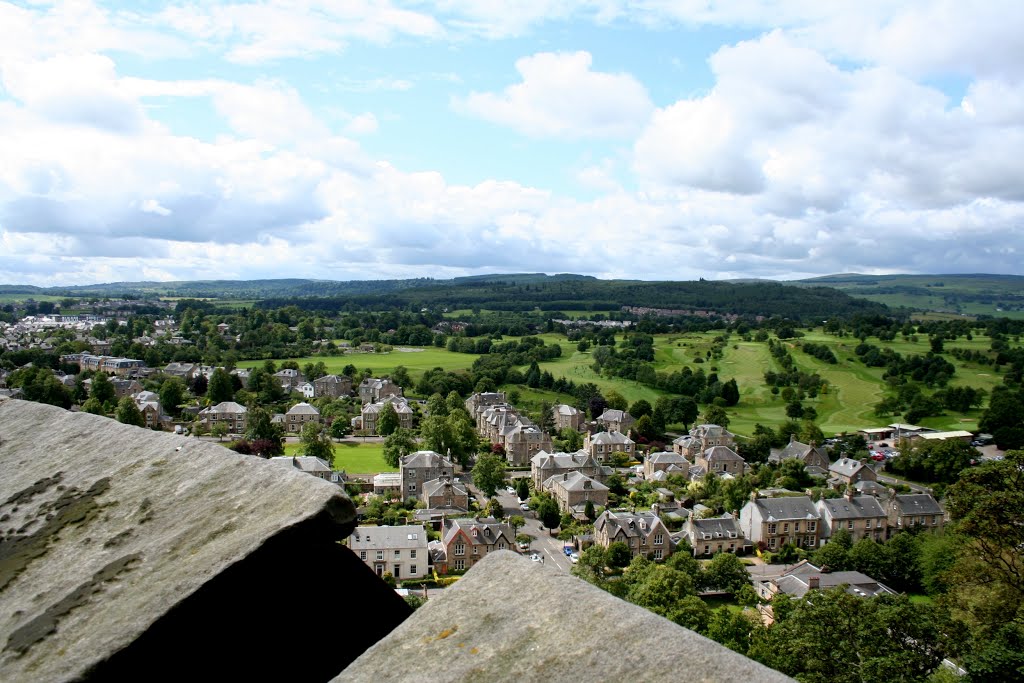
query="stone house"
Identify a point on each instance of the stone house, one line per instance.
(567, 417)
(372, 389)
(446, 493)
(616, 420)
(861, 516)
(290, 379)
(545, 465)
(298, 415)
(701, 438)
(464, 542)
(572, 490)
(714, 535)
(914, 511)
(778, 521)
(397, 550)
(721, 460)
(600, 446)
(523, 441)
(228, 413)
(420, 467)
(371, 413)
(333, 386)
(643, 532)
(811, 456)
(479, 401)
(660, 462)
(849, 472)
(312, 466)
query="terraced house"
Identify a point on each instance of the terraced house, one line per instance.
(397, 550)
(464, 542)
(860, 516)
(773, 522)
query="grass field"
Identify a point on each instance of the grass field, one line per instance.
(416, 362)
(354, 458)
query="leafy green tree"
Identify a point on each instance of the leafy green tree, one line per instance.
(615, 400)
(220, 388)
(591, 567)
(172, 394)
(619, 554)
(219, 430)
(262, 432)
(572, 440)
(102, 390)
(644, 427)
(93, 406)
(523, 488)
(489, 473)
(128, 413)
(547, 512)
(388, 421)
(316, 443)
(517, 522)
(716, 415)
(640, 408)
(399, 443)
(835, 553)
(588, 510)
(400, 376)
(436, 406)
(339, 428)
(725, 572)
(731, 393)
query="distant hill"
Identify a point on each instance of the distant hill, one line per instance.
(968, 294)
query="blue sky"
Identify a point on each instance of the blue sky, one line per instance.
(383, 139)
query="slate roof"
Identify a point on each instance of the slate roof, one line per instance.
(548, 461)
(612, 415)
(796, 582)
(224, 408)
(715, 528)
(667, 457)
(610, 439)
(722, 454)
(425, 459)
(488, 530)
(436, 487)
(302, 463)
(109, 528)
(575, 481)
(632, 524)
(794, 449)
(857, 507)
(387, 537)
(917, 504)
(790, 507)
(566, 410)
(302, 409)
(846, 467)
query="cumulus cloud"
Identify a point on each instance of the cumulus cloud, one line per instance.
(560, 95)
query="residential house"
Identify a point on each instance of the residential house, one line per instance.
(228, 413)
(125, 387)
(290, 379)
(572, 490)
(148, 403)
(372, 389)
(479, 401)
(567, 417)
(298, 415)
(466, 541)
(186, 371)
(446, 493)
(809, 455)
(420, 467)
(397, 550)
(616, 420)
(774, 522)
(914, 511)
(643, 532)
(334, 386)
(714, 535)
(861, 516)
(544, 465)
(701, 438)
(721, 460)
(600, 446)
(849, 472)
(371, 413)
(662, 461)
(306, 389)
(523, 441)
(310, 465)
(804, 577)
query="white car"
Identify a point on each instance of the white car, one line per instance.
(509, 489)
(524, 507)
(574, 558)
(535, 557)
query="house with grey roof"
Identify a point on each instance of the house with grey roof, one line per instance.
(661, 461)
(567, 417)
(643, 532)
(616, 420)
(373, 389)
(232, 415)
(544, 465)
(774, 522)
(861, 516)
(298, 415)
(805, 577)
(714, 535)
(446, 493)
(310, 465)
(914, 511)
(333, 386)
(849, 472)
(809, 455)
(601, 445)
(721, 460)
(370, 415)
(479, 401)
(397, 550)
(572, 490)
(466, 541)
(420, 467)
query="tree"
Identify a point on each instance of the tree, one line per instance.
(198, 385)
(339, 428)
(172, 394)
(715, 415)
(93, 406)
(640, 408)
(644, 428)
(726, 573)
(619, 554)
(388, 421)
(128, 412)
(731, 393)
(494, 509)
(547, 512)
(615, 400)
(400, 376)
(102, 390)
(219, 430)
(517, 522)
(315, 443)
(220, 388)
(489, 473)
(588, 510)
(523, 488)
(261, 431)
(399, 443)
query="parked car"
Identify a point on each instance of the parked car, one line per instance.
(524, 507)
(509, 489)
(574, 558)
(535, 557)
(524, 545)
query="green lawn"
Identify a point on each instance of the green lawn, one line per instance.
(354, 458)
(417, 361)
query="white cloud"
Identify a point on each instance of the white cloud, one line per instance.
(363, 124)
(561, 96)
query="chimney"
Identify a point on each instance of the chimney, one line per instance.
(792, 438)
(813, 582)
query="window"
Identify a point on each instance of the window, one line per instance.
(811, 526)
(658, 554)
(707, 549)
(867, 523)
(412, 569)
(771, 543)
(412, 554)
(849, 525)
(398, 554)
(412, 488)
(796, 527)
(772, 528)
(785, 528)
(659, 539)
(362, 555)
(476, 550)
(380, 554)
(935, 519)
(501, 545)
(460, 548)
(460, 565)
